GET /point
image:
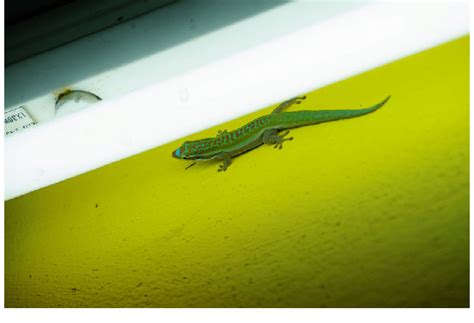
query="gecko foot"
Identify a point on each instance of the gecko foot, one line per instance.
(299, 99)
(279, 139)
(272, 137)
(227, 160)
(288, 103)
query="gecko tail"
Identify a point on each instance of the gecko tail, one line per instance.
(360, 112)
(308, 117)
(331, 115)
(380, 104)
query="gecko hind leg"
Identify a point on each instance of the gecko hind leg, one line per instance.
(272, 137)
(227, 160)
(287, 103)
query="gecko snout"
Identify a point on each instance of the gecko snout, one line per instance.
(177, 153)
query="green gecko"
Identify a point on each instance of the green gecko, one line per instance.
(263, 130)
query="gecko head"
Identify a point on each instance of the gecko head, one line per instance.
(186, 151)
(182, 152)
(192, 150)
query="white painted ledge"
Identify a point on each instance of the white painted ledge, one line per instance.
(310, 57)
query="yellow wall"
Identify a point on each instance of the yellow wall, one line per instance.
(370, 211)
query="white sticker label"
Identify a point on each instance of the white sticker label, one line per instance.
(17, 119)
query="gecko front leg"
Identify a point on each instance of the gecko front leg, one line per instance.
(272, 137)
(227, 160)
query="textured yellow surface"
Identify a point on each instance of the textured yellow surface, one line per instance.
(366, 212)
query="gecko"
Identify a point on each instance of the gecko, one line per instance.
(263, 130)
